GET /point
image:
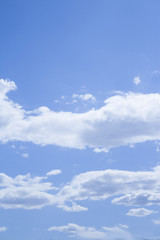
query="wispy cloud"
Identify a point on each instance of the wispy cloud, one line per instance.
(140, 212)
(54, 172)
(25, 155)
(109, 233)
(156, 221)
(3, 229)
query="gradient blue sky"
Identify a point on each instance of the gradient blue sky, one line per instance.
(79, 93)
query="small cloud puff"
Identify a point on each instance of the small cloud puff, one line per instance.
(3, 229)
(136, 80)
(140, 212)
(85, 97)
(99, 150)
(25, 155)
(54, 172)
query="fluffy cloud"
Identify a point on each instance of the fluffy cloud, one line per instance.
(140, 212)
(144, 198)
(123, 120)
(130, 188)
(123, 187)
(26, 192)
(109, 233)
(85, 97)
(137, 80)
(99, 150)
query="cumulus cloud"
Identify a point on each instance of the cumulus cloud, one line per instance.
(85, 97)
(123, 120)
(109, 233)
(140, 212)
(137, 80)
(140, 199)
(123, 187)
(54, 172)
(25, 191)
(129, 188)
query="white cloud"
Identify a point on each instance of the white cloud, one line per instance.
(73, 208)
(85, 97)
(140, 212)
(137, 80)
(156, 221)
(109, 233)
(123, 120)
(54, 172)
(3, 229)
(25, 155)
(123, 226)
(26, 192)
(127, 187)
(99, 150)
(123, 187)
(143, 198)
(6, 86)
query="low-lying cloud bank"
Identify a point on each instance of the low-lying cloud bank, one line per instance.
(123, 120)
(82, 232)
(123, 187)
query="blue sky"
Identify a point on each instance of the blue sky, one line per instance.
(79, 120)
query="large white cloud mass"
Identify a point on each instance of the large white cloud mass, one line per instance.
(129, 188)
(123, 120)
